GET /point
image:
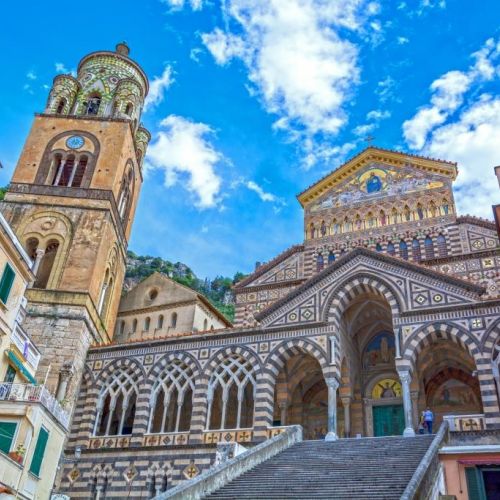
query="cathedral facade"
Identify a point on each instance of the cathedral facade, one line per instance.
(391, 304)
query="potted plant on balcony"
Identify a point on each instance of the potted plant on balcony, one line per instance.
(18, 455)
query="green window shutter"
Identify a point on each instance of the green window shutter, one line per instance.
(6, 283)
(475, 484)
(41, 444)
(7, 431)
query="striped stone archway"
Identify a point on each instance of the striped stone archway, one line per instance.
(136, 372)
(437, 331)
(200, 401)
(83, 416)
(158, 368)
(266, 381)
(355, 285)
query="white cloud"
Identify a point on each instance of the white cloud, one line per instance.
(31, 75)
(402, 40)
(182, 148)
(363, 130)
(378, 114)
(157, 88)
(385, 88)
(472, 141)
(263, 195)
(299, 62)
(61, 68)
(448, 94)
(194, 54)
(179, 4)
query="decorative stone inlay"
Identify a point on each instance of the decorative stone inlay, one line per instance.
(191, 470)
(130, 474)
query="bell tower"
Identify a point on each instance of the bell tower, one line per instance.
(72, 201)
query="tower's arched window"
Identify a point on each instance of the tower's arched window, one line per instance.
(445, 207)
(441, 244)
(134, 325)
(311, 231)
(415, 247)
(128, 109)
(64, 171)
(31, 248)
(122, 327)
(172, 399)
(125, 196)
(116, 404)
(205, 324)
(60, 105)
(231, 393)
(407, 213)
(403, 250)
(420, 211)
(46, 264)
(331, 258)
(173, 320)
(147, 322)
(102, 295)
(160, 322)
(390, 248)
(429, 247)
(79, 172)
(320, 262)
(93, 105)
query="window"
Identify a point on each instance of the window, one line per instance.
(7, 434)
(147, 322)
(429, 247)
(134, 325)
(441, 244)
(6, 283)
(173, 322)
(205, 324)
(93, 105)
(129, 109)
(403, 250)
(311, 231)
(41, 444)
(160, 321)
(10, 374)
(60, 106)
(122, 327)
(46, 264)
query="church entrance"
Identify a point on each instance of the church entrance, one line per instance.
(388, 420)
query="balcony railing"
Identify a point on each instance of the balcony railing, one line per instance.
(28, 393)
(465, 423)
(24, 344)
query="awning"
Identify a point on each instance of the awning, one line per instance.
(19, 365)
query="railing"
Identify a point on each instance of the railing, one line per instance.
(35, 394)
(219, 475)
(24, 344)
(425, 477)
(466, 423)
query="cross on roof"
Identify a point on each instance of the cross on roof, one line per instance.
(369, 139)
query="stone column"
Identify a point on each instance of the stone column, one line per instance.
(405, 378)
(64, 376)
(333, 385)
(346, 403)
(414, 404)
(39, 255)
(283, 408)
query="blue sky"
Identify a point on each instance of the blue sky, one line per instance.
(253, 101)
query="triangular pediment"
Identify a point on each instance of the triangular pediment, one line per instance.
(411, 287)
(396, 173)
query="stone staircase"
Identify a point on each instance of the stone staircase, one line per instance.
(367, 468)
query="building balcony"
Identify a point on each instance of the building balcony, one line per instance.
(25, 346)
(28, 393)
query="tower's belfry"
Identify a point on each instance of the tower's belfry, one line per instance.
(72, 201)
